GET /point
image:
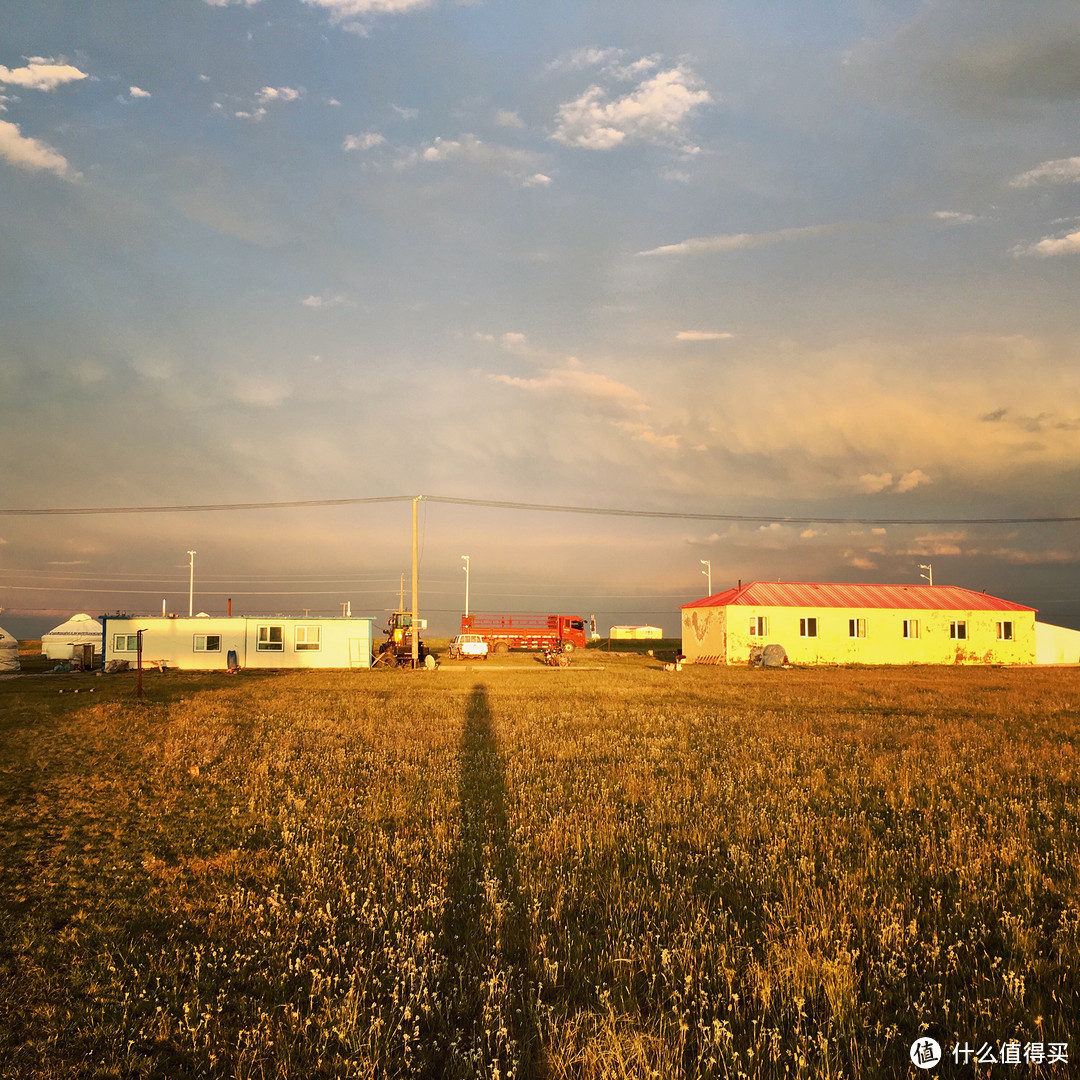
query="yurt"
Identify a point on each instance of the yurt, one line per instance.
(58, 643)
(9, 652)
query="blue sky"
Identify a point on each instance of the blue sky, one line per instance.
(741, 258)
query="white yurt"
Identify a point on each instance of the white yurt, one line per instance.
(9, 652)
(57, 644)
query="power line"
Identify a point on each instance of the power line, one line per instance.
(670, 515)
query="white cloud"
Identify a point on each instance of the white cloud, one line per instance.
(270, 94)
(350, 9)
(704, 245)
(507, 119)
(366, 140)
(516, 165)
(955, 217)
(809, 534)
(703, 335)
(656, 111)
(33, 154)
(324, 301)
(137, 92)
(404, 112)
(41, 74)
(1061, 171)
(1052, 245)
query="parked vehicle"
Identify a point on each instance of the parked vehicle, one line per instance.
(465, 646)
(505, 632)
(396, 650)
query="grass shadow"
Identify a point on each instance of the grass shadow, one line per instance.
(488, 1023)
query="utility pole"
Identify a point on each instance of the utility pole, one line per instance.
(191, 587)
(401, 594)
(466, 558)
(707, 563)
(929, 576)
(415, 588)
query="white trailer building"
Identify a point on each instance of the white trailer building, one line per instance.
(209, 643)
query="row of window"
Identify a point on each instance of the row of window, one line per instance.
(808, 628)
(269, 639)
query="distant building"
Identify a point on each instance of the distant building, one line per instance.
(1056, 644)
(60, 642)
(635, 633)
(858, 624)
(203, 643)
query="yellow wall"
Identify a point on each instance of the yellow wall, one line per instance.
(722, 635)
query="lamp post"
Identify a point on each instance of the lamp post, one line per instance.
(929, 575)
(707, 563)
(191, 587)
(466, 568)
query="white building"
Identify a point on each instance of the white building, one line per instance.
(59, 643)
(210, 643)
(635, 633)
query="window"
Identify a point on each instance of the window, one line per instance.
(958, 630)
(308, 638)
(271, 639)
(808, 628)
(759, 626)
(856, 627)
(1005, 631)
(911, 628)
(207, 643)
(126, 643)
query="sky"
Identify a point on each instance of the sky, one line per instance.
(738, 258)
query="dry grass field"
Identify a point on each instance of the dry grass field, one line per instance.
(514, 871)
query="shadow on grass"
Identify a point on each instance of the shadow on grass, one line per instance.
(488, 989)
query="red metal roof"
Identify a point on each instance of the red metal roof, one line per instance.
(804, 594)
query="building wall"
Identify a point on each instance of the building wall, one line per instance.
(635, 633)
(1056, 644)
(704, 634)
(882, 640)
(342, 643)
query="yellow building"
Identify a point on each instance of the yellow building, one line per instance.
(858, 624)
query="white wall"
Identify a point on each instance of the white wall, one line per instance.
(342, 643)
(1056, 644)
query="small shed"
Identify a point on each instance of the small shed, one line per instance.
(9, 652)
(635, 633)
(59, 643)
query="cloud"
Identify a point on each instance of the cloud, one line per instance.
(324, 301)
(703, 335)
(872, 483)
(705, 245)
(656, 111)
(366, 140)
(517, 165)
(270, 94)
(32, 154)
(507, 119)
(574, 382)
(137, 92)
(1061, 171)
(1051, 246)
(954, 217)
(41, 74)
(341, 10)
(809, 534)
(645, 433)
(911, 480)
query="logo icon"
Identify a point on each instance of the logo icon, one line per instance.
(925, 1053)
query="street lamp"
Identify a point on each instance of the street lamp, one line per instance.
(466, 569)
(707, 563)
(191, 587)
(929, 576)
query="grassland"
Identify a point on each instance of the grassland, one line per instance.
(537, 873)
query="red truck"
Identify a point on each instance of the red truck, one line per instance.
(505, 632)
